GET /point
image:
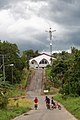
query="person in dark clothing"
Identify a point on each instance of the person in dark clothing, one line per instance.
(47, 99)
(55, 104)
(52, 101)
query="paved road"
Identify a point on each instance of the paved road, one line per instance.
(35, 87)
(42, 113)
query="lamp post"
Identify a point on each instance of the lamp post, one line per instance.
(12, 71)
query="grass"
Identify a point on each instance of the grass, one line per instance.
(72, 104)
(20, 102)
(12, 112)
(15, 108)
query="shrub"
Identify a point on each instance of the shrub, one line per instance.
(3, 100)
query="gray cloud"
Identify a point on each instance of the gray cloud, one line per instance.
(26, 21)
(5, 4)
(63, 12)
(25, 45)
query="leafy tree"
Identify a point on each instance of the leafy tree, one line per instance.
(28, 54)
(65, 71)
(12, 56)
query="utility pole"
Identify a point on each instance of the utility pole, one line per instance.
(50, 35)
(3, 68)
(3, 65)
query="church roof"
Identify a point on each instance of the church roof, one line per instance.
(42, 56)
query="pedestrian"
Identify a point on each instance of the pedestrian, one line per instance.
(36, 103)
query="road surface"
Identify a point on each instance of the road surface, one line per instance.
(42, 113)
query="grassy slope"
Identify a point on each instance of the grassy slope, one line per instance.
(72, 104)
(12, 112)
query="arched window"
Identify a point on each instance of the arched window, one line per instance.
(43, 61)
(33, 62)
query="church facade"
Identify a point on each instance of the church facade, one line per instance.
(40, 61)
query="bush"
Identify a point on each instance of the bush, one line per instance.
(3, 100)
(73, 95)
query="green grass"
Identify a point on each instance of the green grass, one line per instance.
(12, 112)
(16, 91)
(15, 108)
(72, 104)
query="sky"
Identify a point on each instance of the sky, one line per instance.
(27, 23)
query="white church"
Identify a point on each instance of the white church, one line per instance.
(40, 61)
(44, 59)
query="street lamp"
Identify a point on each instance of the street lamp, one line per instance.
(12, 71)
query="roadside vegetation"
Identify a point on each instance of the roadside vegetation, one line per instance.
(14, 78)
(15, 110)
(72, 104)
(64, 74)
(13, 99)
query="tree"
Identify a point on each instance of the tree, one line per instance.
(12, 56)
(28, 54)
(65, 71)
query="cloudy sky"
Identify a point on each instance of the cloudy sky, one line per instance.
(24, 22)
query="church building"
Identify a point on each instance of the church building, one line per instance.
(40, 61)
